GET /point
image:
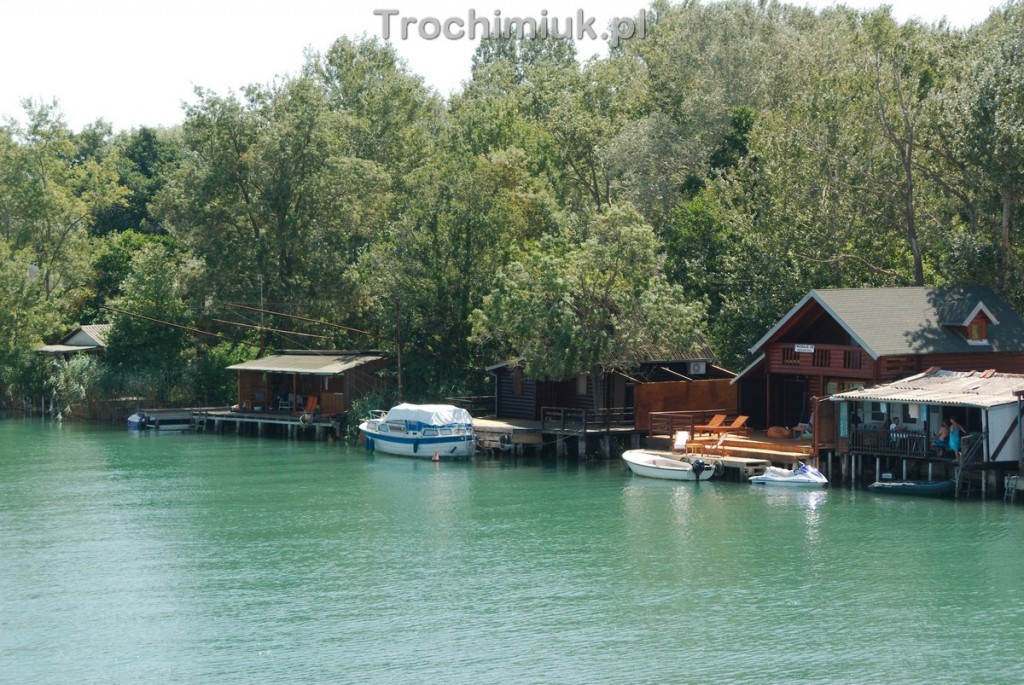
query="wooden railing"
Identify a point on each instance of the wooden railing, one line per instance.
(669, 422)
(575, 420)
(902, 444)
(845, 360)
(477, 405)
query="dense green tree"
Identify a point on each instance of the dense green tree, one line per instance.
(52, 183)
(273, 198)
(111, 265)
(997, 124)
(26, 318)
(590, 297)
(424, 275)
(145, 157)
(147, 344)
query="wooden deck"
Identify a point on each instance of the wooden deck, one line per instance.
(507, 434)
(780, 451)
(757, 446)
(292, 424)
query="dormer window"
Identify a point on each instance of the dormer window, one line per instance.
(977, 331)
(976, 325)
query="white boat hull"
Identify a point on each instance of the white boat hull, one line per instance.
(653, 465)
(421, 431)
(803, 476)
(410, 444)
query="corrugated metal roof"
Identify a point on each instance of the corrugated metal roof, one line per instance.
(62, 349)
(312, 364)
(98, 332)
(955, 388)
(898, 321)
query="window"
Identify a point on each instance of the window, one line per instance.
(977, 331)
(878, 411)
(581, 384)
(790, 357)
(517, 381)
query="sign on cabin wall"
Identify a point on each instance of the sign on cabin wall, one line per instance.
(804, 348)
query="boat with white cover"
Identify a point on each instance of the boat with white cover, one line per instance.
(662, 465)
(803, 475)
(421, 430)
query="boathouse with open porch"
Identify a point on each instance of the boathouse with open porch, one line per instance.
(985, 403)
(601, 405)
(834, 341)
(295, 391)
(297, 381)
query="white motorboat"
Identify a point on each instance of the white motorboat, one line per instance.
(802, 476)
(421, 430)
(663, 465)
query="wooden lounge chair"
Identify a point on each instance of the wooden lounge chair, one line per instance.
(709, 427)
(737, 426)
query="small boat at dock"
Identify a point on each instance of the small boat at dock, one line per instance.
(421, 430)
(663, 465)
(160, 420)
(920, 488)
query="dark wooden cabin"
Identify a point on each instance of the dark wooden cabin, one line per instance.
(619, 398)
(285, 382)
(837, 340)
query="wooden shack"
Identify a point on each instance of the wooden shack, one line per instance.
(986, 403)
(619, 397)
(87, 338)
(833, 341)
(286, 382)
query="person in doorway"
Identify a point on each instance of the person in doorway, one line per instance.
(941, 441)
(956, 434)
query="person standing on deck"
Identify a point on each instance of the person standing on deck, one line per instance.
(893, 428)
(956, 432)
(941, 442)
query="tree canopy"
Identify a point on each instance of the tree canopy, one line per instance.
(686, 188)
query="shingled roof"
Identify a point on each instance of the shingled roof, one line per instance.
(902, 321)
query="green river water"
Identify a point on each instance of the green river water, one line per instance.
(221, 559)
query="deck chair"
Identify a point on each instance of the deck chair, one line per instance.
(738, 425)
(709, 427)
(679, 444)
(717, 449)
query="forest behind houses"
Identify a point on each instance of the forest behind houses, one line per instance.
(688, 188)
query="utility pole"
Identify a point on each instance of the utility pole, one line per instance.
(398, 345)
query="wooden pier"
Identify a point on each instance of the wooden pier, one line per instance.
(507, 435)
(288, 424)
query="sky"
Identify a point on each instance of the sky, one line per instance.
(134, 63)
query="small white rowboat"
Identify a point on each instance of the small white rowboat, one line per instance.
(655, 465)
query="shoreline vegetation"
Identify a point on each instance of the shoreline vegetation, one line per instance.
(687, 188)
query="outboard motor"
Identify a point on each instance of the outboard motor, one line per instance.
(698, 467)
